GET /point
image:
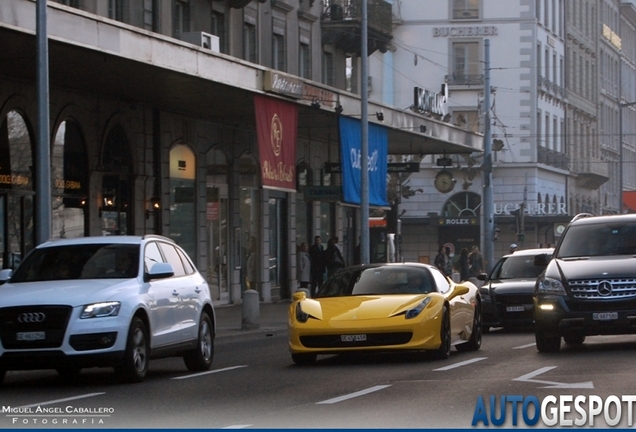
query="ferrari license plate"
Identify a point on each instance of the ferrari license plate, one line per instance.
(353, 338)
(30, 336)
(515, 308)
(604, 316)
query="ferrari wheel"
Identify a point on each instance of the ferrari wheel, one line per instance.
(443, 352)
(474, 342)
(304, 359)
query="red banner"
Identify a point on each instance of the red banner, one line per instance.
(277, 127)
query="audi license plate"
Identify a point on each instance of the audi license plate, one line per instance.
(353, 338)
(604, 316)
(30, 336)
(515, 308)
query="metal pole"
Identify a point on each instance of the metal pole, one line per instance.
(43, 150)
(487, 193)
(620, 157)
(364, 147)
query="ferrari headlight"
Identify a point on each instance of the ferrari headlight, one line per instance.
(300, 315)
(99, 310)
(412, 313)
(549, 285)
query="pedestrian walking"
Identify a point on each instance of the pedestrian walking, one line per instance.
(303, 266)
(440, 260)
(317, 259)
(448, 267)
(475, 262)
(333, 256)
(513, 248)
(464, 266)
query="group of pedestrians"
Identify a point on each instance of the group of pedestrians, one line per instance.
(469, 264)
(313, 261)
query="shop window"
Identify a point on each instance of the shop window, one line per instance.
(182, 198)
(116, 191)
(69, 178)
(16, 190)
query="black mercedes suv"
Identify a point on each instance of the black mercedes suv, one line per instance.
(589, 284)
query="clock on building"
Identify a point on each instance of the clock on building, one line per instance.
(444, 181)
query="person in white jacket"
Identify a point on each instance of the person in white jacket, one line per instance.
(303, 266)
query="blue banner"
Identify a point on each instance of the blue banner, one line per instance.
(350, 154)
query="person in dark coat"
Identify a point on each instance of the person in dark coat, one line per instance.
(464, 266)
(317, 260)
(333, 256)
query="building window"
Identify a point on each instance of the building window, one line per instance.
(351, 75)
(71, 3)
(150, 15)
(327, 69)
(304, 61)
(116, 10)
(181, 18)
(278, 53)
(249, 42)
(465, 9)
(182, 225)
(217, 28)
(465, 59)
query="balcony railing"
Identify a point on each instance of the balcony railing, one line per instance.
(341, 22)
(465, 80)
(553, 158)
(378, 12)
(551, 87)
(591, 173)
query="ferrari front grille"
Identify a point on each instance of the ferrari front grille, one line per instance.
(372, 340)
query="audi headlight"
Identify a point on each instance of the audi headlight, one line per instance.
(99, 310)
(552, 286)
(412, 313)
(301, 316)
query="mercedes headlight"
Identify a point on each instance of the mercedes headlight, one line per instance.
(548, 285)
(412, 313)
(99, 310)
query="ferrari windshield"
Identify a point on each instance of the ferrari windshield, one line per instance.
(598, 239)
(385, 280)
(85, 261)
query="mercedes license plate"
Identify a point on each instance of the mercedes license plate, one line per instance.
(353, 338)
(30, 336)
(515, 308)
(604, 316)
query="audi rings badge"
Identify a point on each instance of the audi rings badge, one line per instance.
(31, 317)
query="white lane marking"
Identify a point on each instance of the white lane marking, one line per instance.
(63, 400)
(552, 384)
(353, 395)
(237, 426)
(209, 372)
(460, 364)
(525, 346)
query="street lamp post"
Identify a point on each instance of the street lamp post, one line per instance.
(620, 153)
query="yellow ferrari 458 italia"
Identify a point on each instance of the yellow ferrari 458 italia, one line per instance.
(385, 307)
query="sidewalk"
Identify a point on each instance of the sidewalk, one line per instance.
(272, 321)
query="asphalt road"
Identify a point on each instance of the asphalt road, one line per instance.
(254, 384)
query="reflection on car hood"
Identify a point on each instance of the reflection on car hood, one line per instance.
(595, 267)
(66, 292)
(360, 307)
(513, 286)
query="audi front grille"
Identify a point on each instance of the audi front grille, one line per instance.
(33, 327)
